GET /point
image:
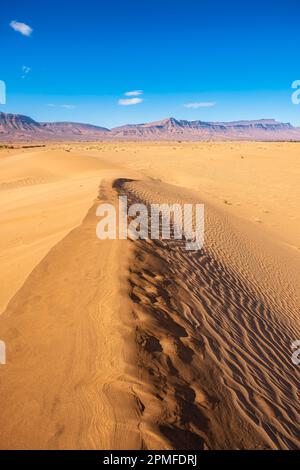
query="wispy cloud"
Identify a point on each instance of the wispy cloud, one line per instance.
(21, 28)
(134, 93)
(25, 70)
(65, 106)
(68, 106)
(201, 104)
(129, 101)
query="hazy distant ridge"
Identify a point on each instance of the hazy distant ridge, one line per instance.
(19, 127)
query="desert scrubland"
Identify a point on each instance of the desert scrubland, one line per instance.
(121, 344)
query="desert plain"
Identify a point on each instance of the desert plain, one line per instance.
(121, 344)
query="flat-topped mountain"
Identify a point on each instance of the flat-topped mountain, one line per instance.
(264, 129)
(73, 128)
(19, 127)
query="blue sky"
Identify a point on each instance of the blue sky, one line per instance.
(235, 60)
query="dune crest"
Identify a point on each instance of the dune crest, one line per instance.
(214, 349)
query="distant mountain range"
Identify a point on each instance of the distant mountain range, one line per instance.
(16, 127)
(19, 127)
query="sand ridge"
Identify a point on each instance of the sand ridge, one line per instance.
(215, 348)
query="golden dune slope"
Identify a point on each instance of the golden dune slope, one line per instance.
(122, 344)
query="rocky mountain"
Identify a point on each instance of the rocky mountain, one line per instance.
(19, 127)
(15, 123)
(264, 129)
(23, 128)
(73, 129)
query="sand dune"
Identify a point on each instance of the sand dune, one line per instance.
(122, 344)
(43, 196)
(215, 348)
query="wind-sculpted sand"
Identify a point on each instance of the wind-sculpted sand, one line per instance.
(121, 344)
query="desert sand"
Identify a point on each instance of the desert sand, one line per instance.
(121, 344)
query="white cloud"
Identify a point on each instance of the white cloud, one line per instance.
(202, 104)
(25, 70)
(21, 28)
(129, 101)
(134, 93)
(65, 106)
